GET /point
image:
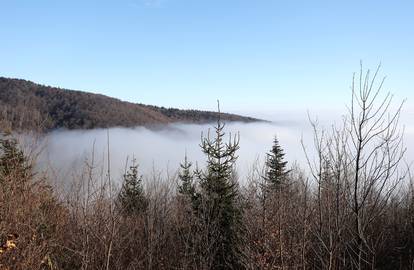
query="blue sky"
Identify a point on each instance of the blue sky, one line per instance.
(256, 56)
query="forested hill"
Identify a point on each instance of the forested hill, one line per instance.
(25, 105)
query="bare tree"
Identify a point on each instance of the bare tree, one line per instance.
(376, 150)
(357, 168)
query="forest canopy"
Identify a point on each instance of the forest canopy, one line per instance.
(25, 105)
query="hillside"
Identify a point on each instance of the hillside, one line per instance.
(25, 105)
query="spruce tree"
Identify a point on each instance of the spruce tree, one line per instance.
(220, 209)
(186, 186)
(131, 198)
(12, 160)
(272, 202)
(275, 166)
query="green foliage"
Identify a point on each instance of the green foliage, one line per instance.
(186, 186)
(12, 160)
(275, 166)
(220, 208)
(131, 198)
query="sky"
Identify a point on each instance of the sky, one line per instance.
(257, 56)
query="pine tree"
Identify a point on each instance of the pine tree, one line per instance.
(276, 167)
(132, 198)
(220, 208)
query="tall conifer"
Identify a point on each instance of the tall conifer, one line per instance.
(275, 166)
(220, 207)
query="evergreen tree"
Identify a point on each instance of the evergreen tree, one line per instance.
(276, 166)
(220, 208)
(186, 177)
(13, 160)
(131, 198)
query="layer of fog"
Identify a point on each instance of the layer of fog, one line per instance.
(161, 150)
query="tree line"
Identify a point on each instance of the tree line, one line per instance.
(26, 106)
(351, 208)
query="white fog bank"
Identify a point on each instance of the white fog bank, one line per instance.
(163, 149)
